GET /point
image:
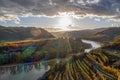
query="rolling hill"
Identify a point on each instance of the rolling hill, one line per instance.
(106, 35)
(21, 33)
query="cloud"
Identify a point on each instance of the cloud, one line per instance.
(13, 18)
(97, 19)
(13, 9)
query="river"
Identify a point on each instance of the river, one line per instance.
(27, 72)
(94, 45)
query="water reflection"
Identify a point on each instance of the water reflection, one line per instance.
(24, 71)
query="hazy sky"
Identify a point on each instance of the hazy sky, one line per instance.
(60, 13)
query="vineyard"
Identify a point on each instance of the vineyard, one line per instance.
(94, 66)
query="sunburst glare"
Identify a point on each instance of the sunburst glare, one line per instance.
(64, 21)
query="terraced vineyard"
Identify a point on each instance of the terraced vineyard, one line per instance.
(84, 67)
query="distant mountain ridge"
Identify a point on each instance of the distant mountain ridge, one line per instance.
(85, 33)
(21, 33)
(79, 33)
(98, 34)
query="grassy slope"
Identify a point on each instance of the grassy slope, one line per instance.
(36, 50)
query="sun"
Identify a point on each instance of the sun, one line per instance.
(64, 21)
